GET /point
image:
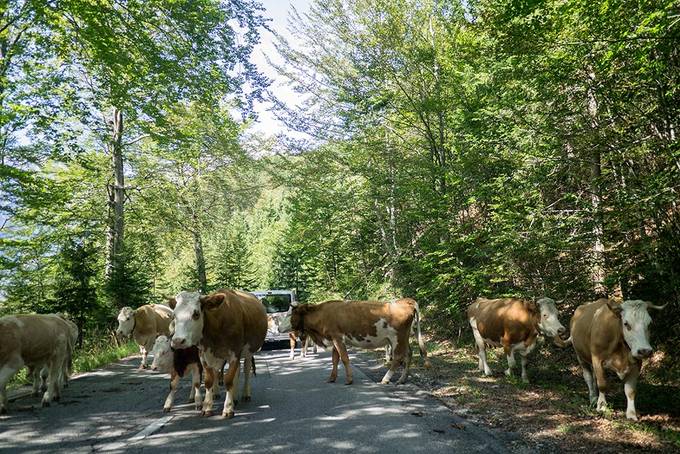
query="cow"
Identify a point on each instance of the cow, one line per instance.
(514, 324)
(364, 324)
(609, 335)
(145, 324)
(293, 336)
(39, 373)
(225, 325)
(176, 363)
(33, 340)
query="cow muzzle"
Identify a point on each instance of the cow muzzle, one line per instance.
(643, 353)
(179, 342)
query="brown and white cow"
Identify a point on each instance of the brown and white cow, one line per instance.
(514, 324)
(177, 363)
(225, 325)
(33, 340)
(608, 335)
(364, 324)
(144, 324)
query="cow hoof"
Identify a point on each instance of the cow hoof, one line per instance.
(235, 402)
(166, 409)
(384, 382)
(246, 399)
(198, 407)
(525, 380)
(632, 417)
(228, 415)
(56, 398)
(45, 403)
(207, 413)
(349, 382)
(330, 380)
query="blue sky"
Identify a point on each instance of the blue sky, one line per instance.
(278, 11)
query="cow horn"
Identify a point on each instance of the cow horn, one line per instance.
(652, 306)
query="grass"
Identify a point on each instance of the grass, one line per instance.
(97, 351)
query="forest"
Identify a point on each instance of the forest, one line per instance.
(441, 150)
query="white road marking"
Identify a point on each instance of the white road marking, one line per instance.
(142, 434)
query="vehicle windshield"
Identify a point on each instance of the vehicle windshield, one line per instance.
(276, 303)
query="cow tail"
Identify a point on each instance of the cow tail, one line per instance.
(421, 344)
(252, 360)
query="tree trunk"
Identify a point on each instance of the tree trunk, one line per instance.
(116, 194)
(598, 271)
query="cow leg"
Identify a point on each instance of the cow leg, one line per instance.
(481, 348)
(196, 385)
(210, 379)
(7, 371)
(247, 367)
(589, 379)
(629, 386)
(55, 376)
(334, 371)
(229, 378)
(510, 354)
(304, 345)
(35, 379)
(220, 380)
(174, 381)
(340, 346)
(524, 353)
(601, 379)
(291, 338)
(52, 392)
(236, 396)
(144, 353)
(407, 365)
(388, 353)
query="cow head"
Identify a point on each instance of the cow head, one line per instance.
(126, 322)
(635, 322)
(189, 311)
(548, 322)
(294, 318)
(162, 355)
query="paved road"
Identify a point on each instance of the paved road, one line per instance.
(293, 409)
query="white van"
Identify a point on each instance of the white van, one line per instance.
(278, 304)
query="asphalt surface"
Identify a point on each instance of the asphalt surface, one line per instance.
(119, 409)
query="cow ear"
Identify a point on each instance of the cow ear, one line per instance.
(615, 307)
(301, 309)
(212, 301)
(172, 302)
(531, 306)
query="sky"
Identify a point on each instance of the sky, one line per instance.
(278, 12)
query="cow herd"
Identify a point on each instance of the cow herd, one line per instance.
(208, 335)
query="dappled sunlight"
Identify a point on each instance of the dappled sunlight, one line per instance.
(289, 397)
